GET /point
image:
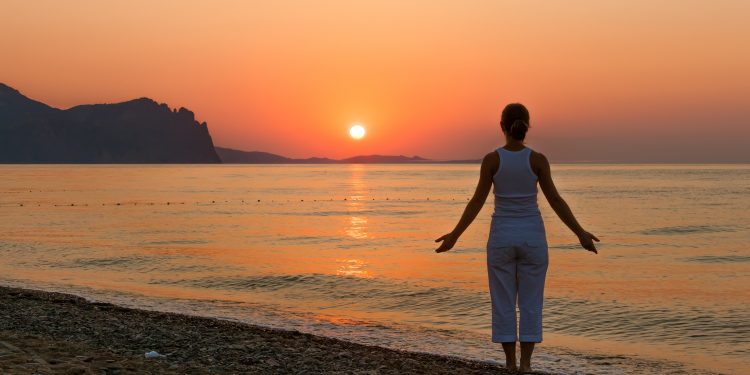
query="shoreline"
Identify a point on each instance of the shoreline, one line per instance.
(49, 332)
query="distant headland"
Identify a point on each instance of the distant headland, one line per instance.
(136, 131)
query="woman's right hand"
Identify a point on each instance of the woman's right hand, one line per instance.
(587, 241)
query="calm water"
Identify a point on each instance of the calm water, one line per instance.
(347, 251)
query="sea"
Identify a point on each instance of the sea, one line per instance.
(347, 251)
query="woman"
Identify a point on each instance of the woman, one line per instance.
(517, 246)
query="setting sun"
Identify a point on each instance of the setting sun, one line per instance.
(357, 131)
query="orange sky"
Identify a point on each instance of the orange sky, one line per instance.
(615, 81)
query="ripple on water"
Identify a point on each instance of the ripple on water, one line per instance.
(142, 263)
(685, 327)
(689, 229)
(305, 240)
(175, 242)
(362, 293)
(718, 259)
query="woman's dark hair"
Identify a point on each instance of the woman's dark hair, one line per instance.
(515, 120)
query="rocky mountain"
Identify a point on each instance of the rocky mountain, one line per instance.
(136, 131)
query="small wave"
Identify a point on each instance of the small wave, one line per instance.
(366, 293)
(15, 247)
(689, 229)
(441, 306)
(566, 246)
(175, 242)
(110, 262)
(142, 263)
(306, 240)
(666, 324)
(718, 259)
(341, 286)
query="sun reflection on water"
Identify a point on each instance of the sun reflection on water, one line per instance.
(352, 267)
(357, 227)
(357, 193)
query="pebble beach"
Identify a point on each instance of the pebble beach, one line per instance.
(56, 333)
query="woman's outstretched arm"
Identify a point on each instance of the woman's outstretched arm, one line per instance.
(489, 166)
(542, 169)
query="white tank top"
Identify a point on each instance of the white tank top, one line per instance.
(515, 185)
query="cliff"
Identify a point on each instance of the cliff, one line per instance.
(136, 131)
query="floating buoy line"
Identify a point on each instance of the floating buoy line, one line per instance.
(222, 202)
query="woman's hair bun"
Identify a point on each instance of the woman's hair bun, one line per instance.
(518, 129)
(515, 120)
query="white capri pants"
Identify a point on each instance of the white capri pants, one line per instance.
(517, 270)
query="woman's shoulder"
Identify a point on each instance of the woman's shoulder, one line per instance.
(492, 155)
(537, 160)
(492, 158)
(538, 156)
(491, 162)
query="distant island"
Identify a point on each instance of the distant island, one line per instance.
(232, 156)
(136, 131)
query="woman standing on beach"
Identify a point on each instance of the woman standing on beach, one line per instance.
(517, 246)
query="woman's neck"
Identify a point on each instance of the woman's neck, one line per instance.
(513, 145)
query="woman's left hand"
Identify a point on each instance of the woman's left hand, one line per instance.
(587, 241)
(449, 240)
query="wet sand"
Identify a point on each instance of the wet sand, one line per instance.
(55, 333)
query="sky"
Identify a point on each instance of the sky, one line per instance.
(609, 81)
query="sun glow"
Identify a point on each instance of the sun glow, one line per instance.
(357, 131)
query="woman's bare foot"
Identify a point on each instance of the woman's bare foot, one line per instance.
(510, 356)
(527, 348)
